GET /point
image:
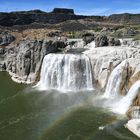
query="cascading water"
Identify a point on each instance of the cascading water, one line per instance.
(115, 80)
(66, 72)
(123, 105)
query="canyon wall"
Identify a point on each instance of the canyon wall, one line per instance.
(114, 68)
(23, 59)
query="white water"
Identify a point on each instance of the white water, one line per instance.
(66, 72)
(123, 105)
(90, 45)
(115, 81)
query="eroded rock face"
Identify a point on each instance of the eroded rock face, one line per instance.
(23, 61)
(134, 112)
(6, 38)
(114, 42)
(55, 46)
(63, 11)
(105, 59)
(102, 40)
(88, 37)
(134, 126)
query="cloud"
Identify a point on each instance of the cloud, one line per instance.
(129, 11)
(105, 11)
(120, 11)
(94, 11)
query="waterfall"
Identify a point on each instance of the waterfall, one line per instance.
(115, 81)
(90, 45)
(123, 105)
(66, 72)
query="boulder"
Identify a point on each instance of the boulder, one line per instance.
(134, 126)
(88, 38)
(54, 34)
(101, 40)
(114, 42)
(56, 46)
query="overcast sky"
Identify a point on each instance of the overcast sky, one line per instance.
(84, 7)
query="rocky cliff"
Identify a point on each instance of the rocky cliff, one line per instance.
(105, 59)
(125, 18)
(59, 15)
(22, 57)
(36, 16)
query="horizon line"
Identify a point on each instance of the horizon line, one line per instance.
(76, 13)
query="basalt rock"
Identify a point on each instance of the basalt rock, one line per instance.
(38, 18)
(101, 40)
(88, 37)
(54, 34)
(63, 11)
(55, 46)
(23, 61)
(6, 38)
(105, 59)
(114, 42)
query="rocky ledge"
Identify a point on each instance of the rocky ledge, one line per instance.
(134, 126)
(22, 58)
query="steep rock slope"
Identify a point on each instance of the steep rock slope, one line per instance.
(22, 58)
(105, 59)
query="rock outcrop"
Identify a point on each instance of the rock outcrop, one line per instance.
(63, 11)
(102, 40)
(37, 16)
(23, 61)
(88, 38)
(114, 42)
(124, 18)
(6, 38)
(105, 59)
(134, 126)
(60, 15)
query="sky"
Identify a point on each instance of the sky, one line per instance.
(81, 7)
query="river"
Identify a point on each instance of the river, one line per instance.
(28, 114)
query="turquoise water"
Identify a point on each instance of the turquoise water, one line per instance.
(26, 114)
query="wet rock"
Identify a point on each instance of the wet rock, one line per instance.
(134, 112)
(105, 59)
(134, 126)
